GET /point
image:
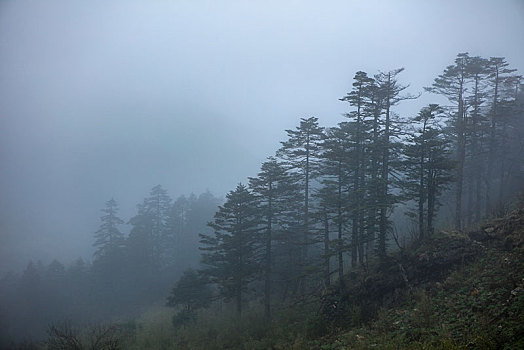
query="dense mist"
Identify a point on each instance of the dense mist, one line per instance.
(102, 100)
(131, 101)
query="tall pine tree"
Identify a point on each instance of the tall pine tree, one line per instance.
(301, 152)
(275, 191)
(452, 84)
(108, 238)
(230, 254)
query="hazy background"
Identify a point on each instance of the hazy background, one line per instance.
(102, 99)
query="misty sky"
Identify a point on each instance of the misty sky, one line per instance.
(102, 99)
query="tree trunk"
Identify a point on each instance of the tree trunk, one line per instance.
(327, 273)
(461, 155)
(339, 227)
(431, 200)
(306, 222)
(475, 148)
(267, 282)
(492, 145)
(356, 187)
(385, 174)
(421, 196)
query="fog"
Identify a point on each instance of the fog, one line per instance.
(107, 99)
(167, 106)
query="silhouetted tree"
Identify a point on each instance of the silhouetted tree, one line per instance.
(477, 70)
(275, 191)
(149, 239)
(301, 152)
(359, 98)
(108, 238)
(428, 165)
(389, 90)
(191, 291)
(229, 255)
(333, 204)
(452, 84)
(500, 78)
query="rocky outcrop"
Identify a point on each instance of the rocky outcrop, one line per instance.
(506, 233)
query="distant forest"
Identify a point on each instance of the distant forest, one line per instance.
(327, 201)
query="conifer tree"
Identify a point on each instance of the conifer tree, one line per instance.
(301, 152)
(176, 222)
(191, 291)
(389, 90)
(359, 98)
(230, 254)
(108, 238)
(149, 239)
(374, 164)
(477, 70)
(333, 194)
(452, 84)
(275, 191)
(428, 166)
(499, 75)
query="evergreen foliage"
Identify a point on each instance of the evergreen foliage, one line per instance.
(428, 166)
(230, 255)
(191, 291)
(108, 238)
(301, 152)
(275, 191)
(323, 207)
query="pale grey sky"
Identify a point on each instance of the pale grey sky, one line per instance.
(102, 99)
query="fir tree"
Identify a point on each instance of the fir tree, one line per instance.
(301, 152)
(389, 91)
(108, 238)
(333, 194)
(149, 237)
(359, 98)
(275, 190)
(230, 254)
(428, 166)
(452, 84)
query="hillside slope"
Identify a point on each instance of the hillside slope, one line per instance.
(454, 290)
